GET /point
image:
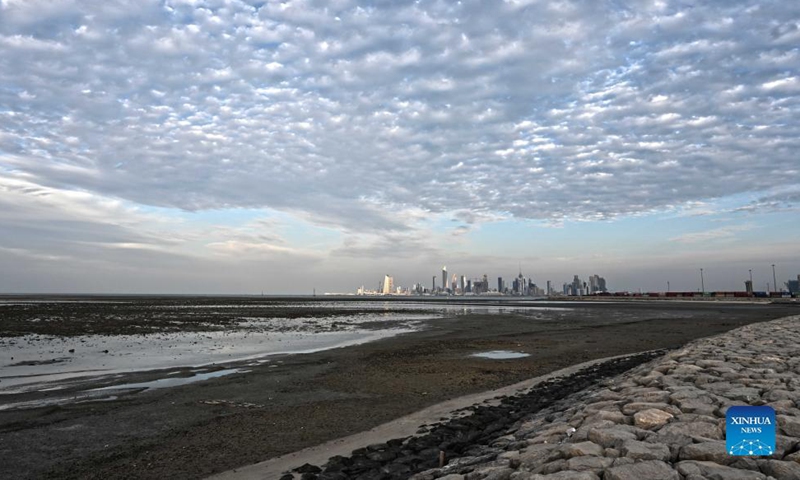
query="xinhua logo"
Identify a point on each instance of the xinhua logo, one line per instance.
(750, 431)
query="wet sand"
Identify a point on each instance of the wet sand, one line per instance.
(299, 401)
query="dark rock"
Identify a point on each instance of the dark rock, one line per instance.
(308, 468)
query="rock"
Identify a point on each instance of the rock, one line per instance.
(308, 468)
(780, 469)
(536, 455)
(697, 405)
(580, 449)
(519, 475)
(610, 437)
(684, 433)
(582, 434)
(552, 467)
(452, 476)
(644, 451)
(713, 471)
(494, 473)
(651, 418)
(633, 407)
(794, 457)
(778, 394)
(588, 463)
(784, 444)
(790, 426)
(567, 475)
(652, 396)
(745, 394)
(650, 470)
(744, 463)
(611, 416)
(711, 451)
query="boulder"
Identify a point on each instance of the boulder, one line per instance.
(610, 437)
(567, 475)
(785, 470)
(650, 470)
(714, 471)
(790, 426)
(644, 451)
(589, 463)
(580, 449)
(633, 407)
(651, 418)
(711, 451)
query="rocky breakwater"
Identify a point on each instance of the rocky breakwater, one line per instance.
(663, 419)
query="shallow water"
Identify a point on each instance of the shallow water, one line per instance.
(501, 354)
(134, 353)
(172, 381)
(42, 363)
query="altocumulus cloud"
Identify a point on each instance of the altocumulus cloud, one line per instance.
(360, 115)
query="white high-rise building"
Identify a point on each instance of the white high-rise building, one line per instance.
(388, 285)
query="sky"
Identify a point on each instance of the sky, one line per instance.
(226, 146)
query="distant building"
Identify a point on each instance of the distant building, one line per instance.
(748, 286)
(463, 284)
(793, 285)
(576, 287)
(500, 284)
(444, 277)
(597, 284)
(387, 286)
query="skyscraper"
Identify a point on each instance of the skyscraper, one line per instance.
(597, 284)
(500, 284)
(463, 284)
(444, 277)
(388, 285)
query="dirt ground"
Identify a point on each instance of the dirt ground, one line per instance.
(196, 430)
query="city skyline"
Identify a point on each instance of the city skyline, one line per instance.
(578, 286)
(233, 146)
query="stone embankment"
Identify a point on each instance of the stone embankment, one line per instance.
(662, 420)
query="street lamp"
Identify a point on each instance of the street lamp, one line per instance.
(702, 282)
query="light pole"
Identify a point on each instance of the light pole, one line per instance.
(702, 282)
(774, 278)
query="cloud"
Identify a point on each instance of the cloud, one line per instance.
(345, 112)
(365, 118)
(722, 233)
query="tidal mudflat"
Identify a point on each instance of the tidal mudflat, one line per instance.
(187, 410)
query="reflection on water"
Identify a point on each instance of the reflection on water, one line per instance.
(173, 381)
(501, 354)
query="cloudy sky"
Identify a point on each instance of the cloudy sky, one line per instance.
(226, 146)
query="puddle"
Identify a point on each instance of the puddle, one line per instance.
(172, 382)
(500, 354)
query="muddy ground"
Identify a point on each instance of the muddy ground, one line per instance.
(204, 428)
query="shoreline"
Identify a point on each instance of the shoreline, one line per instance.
(206, 428)
(406, 426)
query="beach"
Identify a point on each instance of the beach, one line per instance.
(265, 407)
